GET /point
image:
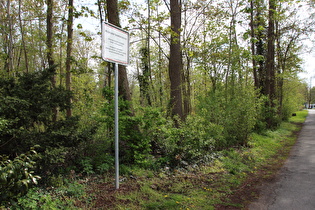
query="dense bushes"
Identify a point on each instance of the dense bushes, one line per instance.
(26, 107)
(224, 118)
(149, 138)
(16, 176)
(26, 104)
(235, 115)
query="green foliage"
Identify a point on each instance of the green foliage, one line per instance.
(190, 143)
(150, 120)
(94, 157)
(63, 197)
(26, 107)
(3, 124)
(37, 199)
(293, 98)
(148, 139)
(87, 166)
(164, 144)
(268, 117)
(26, 104)
(17, 176)
(53, 160)
(203, 188)
(135, 145)
(234, 115)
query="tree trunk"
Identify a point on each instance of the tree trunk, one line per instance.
(49, 43)
(148, 72)
(175, 61)
(144, 79)
(113, 18)
(61, 40)
(252, 29)
(160, 91)
(257, 23)
(270, 64)
(9, 61)
(69, 52)
(22, 37)
(186, 88)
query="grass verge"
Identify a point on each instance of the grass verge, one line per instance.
(229, 182)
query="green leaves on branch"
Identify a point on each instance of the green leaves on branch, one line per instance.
(26, 105)
(235, 114)
(17, 176)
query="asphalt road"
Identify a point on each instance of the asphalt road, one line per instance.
(294, 187)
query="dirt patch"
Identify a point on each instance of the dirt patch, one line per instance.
(104, 195)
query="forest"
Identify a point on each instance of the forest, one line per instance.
(204, 77)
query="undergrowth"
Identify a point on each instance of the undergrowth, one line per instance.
(202, 186)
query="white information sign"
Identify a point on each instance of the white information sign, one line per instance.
(115, 44)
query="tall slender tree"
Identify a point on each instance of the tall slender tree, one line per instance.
(49, 43)
(22, 38)
(49, 40)
(270, 58)
(9, 39)
(175, 61)
(270, 84)
(258, 42)
(69, 51)
(253, 49)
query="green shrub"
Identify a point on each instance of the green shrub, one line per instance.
(3, 124)
(191, 142)
(134, 144)
(17, 176)
(26, 105)
(38, 198)
(235, 114)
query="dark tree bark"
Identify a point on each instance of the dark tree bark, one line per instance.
(113, 18)
(49, 43)
(175, 61)
(186, 87)
(270, 62)
(69, 51)
(258, 40)
(253, 49)
(270, 66)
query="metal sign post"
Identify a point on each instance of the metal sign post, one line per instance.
(116, 129)
(115, 49)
